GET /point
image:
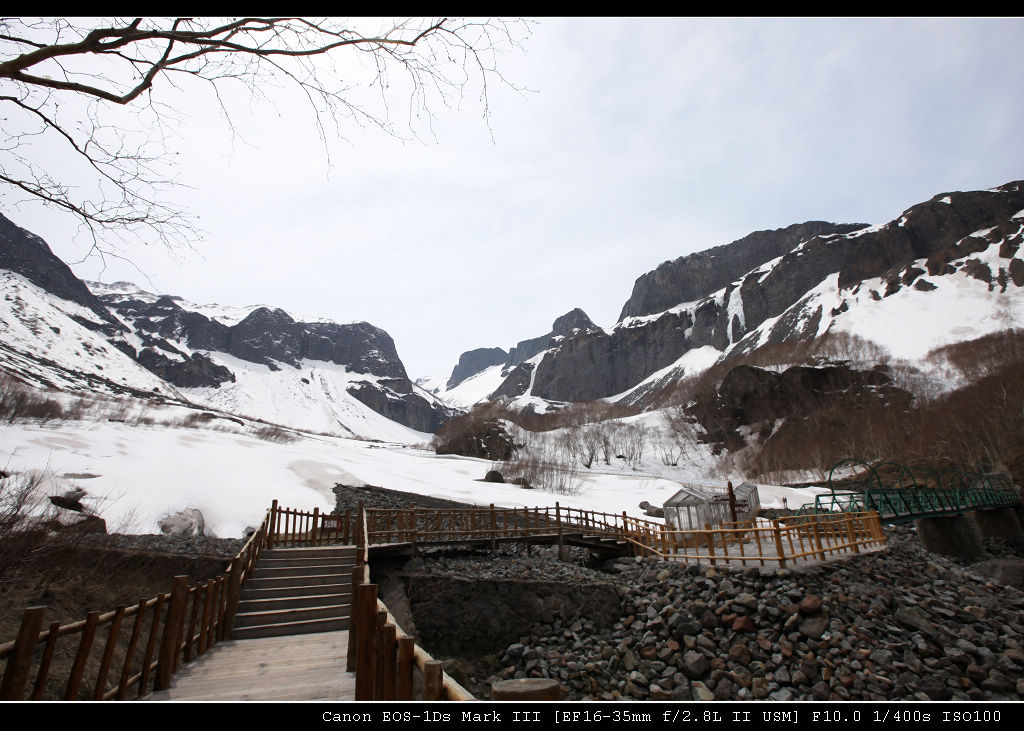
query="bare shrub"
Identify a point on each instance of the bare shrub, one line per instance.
(545, 464)
(628, 442)
(271, 433)
(20, 402)
(982, 356)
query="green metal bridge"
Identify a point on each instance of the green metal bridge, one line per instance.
(910, 493)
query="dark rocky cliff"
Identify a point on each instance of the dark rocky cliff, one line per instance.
(473, 361)
(26, 254)
(692, 277)
(592, 363)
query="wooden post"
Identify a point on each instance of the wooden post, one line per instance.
(193, 616)
(816, 532)
(20, 660)
(366, 658)
(353, 625)
(44, 662)
(108, 654)
(406, 650)
(234, 592)
(315, 531)
(379, 620)
(711, 544)
(84, 646)
(558, 522)
(385, 664)
(129, 654)
(147, 660)
(732, 502)
(494, 528)
(852, 534)
(170, 644)
(433, 681)
(272, 525)
(204, 625)
(777, 530)
(362, 540)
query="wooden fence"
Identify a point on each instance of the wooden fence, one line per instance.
(782, 541)
(384, 658)
(132, 649)
(144, 644)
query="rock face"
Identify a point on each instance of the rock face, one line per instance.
(457, 616)
(765, 281)
(800, 395)
(271, 337)
(471, 437)
(571, 324)
(175, 342)
(692, 277)
(473, 361)
(28, 255)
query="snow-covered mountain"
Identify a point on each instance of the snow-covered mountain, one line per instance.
(258, 361)
(947, 270)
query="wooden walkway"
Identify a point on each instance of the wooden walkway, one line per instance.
(293, 668)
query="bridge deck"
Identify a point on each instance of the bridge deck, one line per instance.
(292, 668)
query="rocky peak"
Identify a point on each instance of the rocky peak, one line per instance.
(473, 361)
(692, 277)
(572, 321)
(26, 254)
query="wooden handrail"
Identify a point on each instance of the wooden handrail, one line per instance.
(192, 619)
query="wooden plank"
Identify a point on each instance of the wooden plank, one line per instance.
(129, 655)
(174, 626)
(154, 631)
(108, 654)
(190, 634)
(12, 688)
(44, 662)
(84, 646)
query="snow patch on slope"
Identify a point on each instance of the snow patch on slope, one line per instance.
(313, 397)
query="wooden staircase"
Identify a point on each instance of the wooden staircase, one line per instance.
(296, 591)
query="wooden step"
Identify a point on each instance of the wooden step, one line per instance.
(276, 592)
(284, 616)
(268, 604)
(306, 560)
(290, 581)
(267, 571)
(291, 628)
(309, 552)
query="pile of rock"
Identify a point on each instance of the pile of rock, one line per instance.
(181, 545)
(901, 624)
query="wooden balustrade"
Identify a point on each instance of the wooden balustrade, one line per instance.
(139, 647)
(383, 657)
(133, 648)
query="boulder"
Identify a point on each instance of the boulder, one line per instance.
(189, 522)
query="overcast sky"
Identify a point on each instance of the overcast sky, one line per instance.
(637, 141)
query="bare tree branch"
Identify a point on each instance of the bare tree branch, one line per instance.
(59, 78)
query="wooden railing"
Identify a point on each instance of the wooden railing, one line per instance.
(175, 628)
(165, 631)
(454, 525)
(383, 656)
(782, 541)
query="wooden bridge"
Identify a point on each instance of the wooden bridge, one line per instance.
(295, 615)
